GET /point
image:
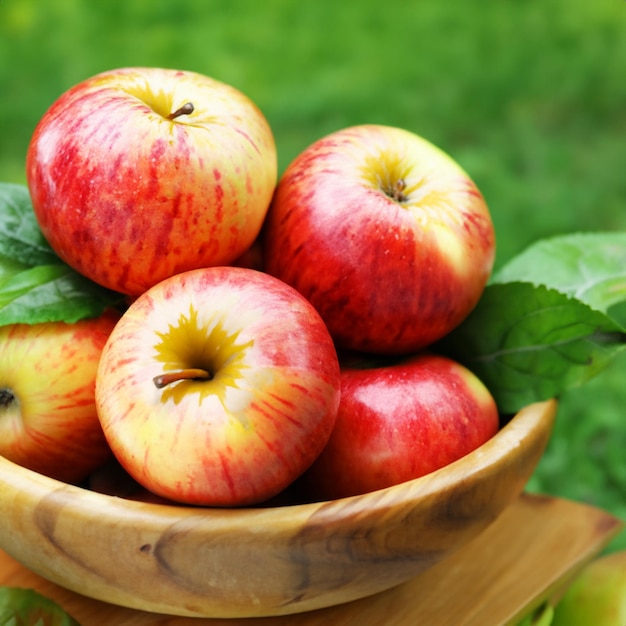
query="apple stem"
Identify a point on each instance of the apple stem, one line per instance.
(398, 190)
(191, 373)
(394, 190)
(186, 109)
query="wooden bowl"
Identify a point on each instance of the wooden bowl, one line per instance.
(263, 561)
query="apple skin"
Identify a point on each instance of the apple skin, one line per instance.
(48, 418)
(399, 420)
(242, 436)
(385, 234)
(128, 197)
(597, 596)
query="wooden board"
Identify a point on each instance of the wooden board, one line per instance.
(530, 552)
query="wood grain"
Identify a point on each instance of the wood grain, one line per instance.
(531, 551)
(268, 561)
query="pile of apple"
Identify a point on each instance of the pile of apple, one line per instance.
(277, 331)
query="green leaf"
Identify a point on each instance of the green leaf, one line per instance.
(36, 286)
(590, 267)
(49, 293)
(21, 239)
(551, 319)
(27, 607)
(529, 343)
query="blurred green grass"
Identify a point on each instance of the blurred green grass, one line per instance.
(529, 97)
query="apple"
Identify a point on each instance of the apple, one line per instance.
(400, 419)
(385, 234)
(137, 174)
(597, 595)
(48, 418)
(218, 387)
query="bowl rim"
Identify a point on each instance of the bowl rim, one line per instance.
(16, 479)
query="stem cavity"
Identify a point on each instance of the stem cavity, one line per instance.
(7, 397)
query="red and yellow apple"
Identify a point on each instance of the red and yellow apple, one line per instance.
(385, 234)
(399, 420)
(137, 174)
(218, 387)
(48, 418)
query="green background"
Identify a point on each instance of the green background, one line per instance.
(529, 97)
